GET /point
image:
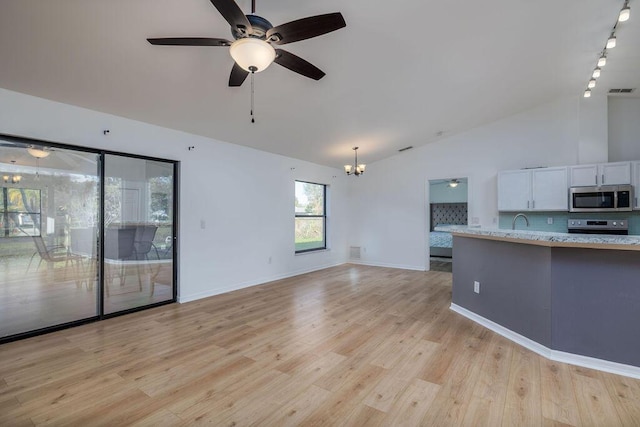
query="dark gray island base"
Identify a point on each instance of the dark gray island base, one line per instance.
(567, 299)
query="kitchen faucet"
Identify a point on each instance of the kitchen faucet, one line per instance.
(513, 223)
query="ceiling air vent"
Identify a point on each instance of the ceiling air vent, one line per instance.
(405, 148)
(616, 91)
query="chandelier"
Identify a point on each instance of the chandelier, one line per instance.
(355, 169)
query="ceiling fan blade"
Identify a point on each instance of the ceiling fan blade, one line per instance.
(298, 65)
(306, 28)
(230, 11)
(190, 41)
(238, 76)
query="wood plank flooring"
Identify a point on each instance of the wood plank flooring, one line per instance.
(350, 345)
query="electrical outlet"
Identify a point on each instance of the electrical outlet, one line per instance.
(476, 287)
(550, 220)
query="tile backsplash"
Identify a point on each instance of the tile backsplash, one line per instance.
(538, 220)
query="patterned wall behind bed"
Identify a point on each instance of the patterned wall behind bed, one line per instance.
(448, 213)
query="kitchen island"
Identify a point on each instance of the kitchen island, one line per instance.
(569, 297)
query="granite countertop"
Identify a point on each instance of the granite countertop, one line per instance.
(546, 238)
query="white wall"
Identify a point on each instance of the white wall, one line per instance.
(440, 192)
(593, 124)
(391, 223)
(624, 129)
(245, 196)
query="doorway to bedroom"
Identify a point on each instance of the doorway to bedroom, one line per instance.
(447, 206)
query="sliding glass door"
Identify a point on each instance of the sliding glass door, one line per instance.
(46, 193)
(83, 234)
(138, 233)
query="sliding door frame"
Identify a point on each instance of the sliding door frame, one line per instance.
(101, 153)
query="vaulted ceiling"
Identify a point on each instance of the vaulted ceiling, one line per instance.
(401, 73)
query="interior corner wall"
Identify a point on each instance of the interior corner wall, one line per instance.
(391, 223)
(244, 196)
(624, 129)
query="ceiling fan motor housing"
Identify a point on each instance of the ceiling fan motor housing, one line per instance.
(259, 25)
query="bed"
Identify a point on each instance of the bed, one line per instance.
(440, 242)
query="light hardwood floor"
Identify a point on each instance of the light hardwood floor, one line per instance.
(350, 345)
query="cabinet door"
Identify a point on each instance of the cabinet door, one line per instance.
(583, 175)
(636, 183)
(514, 190)
(550, 189)
(615, 173)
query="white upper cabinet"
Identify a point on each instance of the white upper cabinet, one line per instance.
(543, 189)
(615, 173)
(514, 190)
(601, 174)
(583, 175)
(550, 189)
(636, 184)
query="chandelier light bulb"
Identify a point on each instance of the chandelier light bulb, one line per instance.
(587, 93)
(611, 43)
(602, 61)
(596, 73)
(625, 13)
(592, 84)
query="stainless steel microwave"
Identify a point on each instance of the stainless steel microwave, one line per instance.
(605, 198)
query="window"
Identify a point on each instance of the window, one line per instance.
(19, 212)
(311, 216)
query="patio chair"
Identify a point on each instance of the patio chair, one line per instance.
(119, 247)
(143, 243)
(52, 254)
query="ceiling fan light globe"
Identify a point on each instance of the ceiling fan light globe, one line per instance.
(252, 54)
(38, 153)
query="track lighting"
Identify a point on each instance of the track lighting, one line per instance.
(602, 61)
(625, 13)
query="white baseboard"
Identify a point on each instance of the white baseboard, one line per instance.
(383, 264)
(236, 286)
(558, 356)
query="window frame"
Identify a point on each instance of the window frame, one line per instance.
(323, 216)
(5, 211)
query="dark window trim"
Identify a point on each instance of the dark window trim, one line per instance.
(324, 217)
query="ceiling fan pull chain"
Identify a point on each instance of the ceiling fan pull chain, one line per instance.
(253, 6)
(252, 119)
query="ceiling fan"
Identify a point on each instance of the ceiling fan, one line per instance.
(254, 36)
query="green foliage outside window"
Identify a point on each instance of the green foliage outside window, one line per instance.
(310, 216)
